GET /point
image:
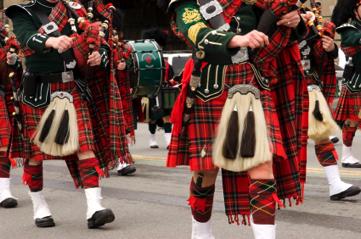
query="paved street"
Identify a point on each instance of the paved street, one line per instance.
(152, 205)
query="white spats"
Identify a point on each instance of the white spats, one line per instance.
(167, 138)
(201, 230)
(263, 231)
(152, 141)
(93, 198)
(5, 189)
(336, 185)
(122, 165)
(347, 156)
(41, 208)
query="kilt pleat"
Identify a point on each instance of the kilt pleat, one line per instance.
(5, 127)
(348, 106)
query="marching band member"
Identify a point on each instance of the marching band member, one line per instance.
(160, 120)
(10, 74)
(117, 123)
(347, 17)
(55, 102)
(318, 51)
(238, 109)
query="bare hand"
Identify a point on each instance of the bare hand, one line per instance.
(253, 39)
(328, 44)
(62, 43)
(11, 58)
(291, 19)
(94, 59)
(121, 66)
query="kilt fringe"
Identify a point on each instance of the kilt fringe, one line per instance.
(235, 218)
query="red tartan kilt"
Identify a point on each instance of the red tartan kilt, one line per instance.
(5, 128)
(201, 129)
(32, 116)
(348, 107)
(108, 121)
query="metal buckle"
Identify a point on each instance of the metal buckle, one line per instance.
(244, 89)
(62, 95)
(211, 9)
(67, 76)
(50, 28)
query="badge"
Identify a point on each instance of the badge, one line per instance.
(75, 5)
(191, 15)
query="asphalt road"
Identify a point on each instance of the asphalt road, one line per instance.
(152, 204)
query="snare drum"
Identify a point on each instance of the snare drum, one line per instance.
(148, 67)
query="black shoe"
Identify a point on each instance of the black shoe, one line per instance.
(128, 170)
(45, 222)
(335, 140)
(9, 203)
(100, 218)
(154, 147)
(351, 191)
(351, 165)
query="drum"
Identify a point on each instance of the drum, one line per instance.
(148, 65)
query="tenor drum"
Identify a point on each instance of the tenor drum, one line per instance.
(148, 70)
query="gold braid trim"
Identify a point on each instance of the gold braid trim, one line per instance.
(194, 30)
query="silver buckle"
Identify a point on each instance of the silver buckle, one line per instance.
(50, 28)
(67, 76)
(240, 56)
(211, 9)
(62, 95)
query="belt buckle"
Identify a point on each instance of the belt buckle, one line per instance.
(50, 28)
(211, 9)
(67, 76)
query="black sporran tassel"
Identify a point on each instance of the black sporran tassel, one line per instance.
(248, 143)
(316, 112)
(62, 136)
(230, 146)
(47, 125)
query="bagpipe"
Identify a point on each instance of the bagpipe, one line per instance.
(321, 122)
(317, 24)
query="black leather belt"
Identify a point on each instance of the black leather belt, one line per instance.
(59, 77)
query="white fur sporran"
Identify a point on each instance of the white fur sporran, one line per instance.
(57, 132)
(243, 103)
(320, 128)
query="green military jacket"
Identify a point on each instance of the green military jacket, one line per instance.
(26, 25)
(351, 38)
